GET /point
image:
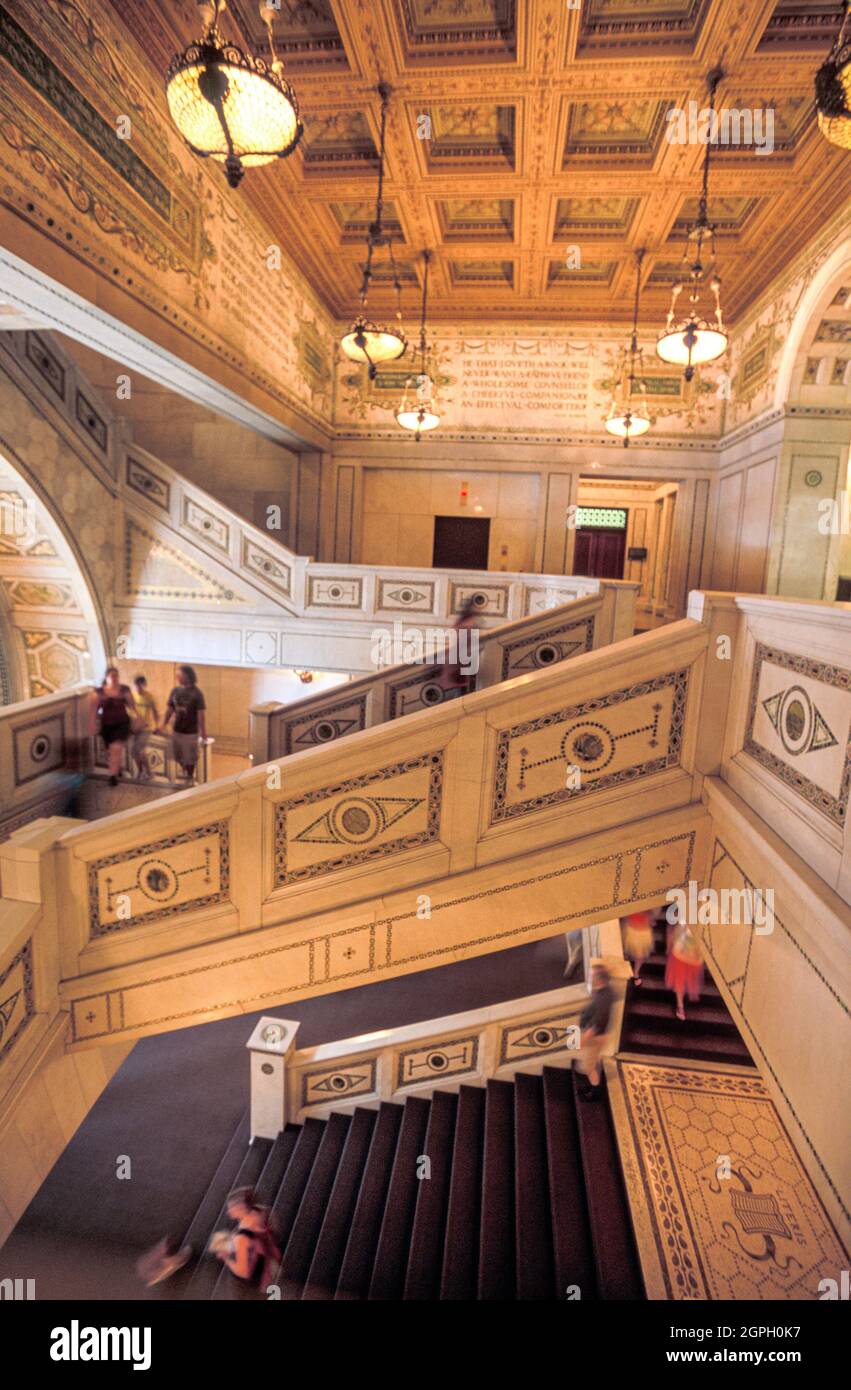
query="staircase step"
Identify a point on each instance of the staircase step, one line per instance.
(574, 1256)
(615, 1256)
(204, 1221)
(534, 1237)
(699, 1017)
(276, 1165)
(227, 1286)
(425, 1257)
(650, 1042)
(295, 1179)
(391, 1255)
(207, 1272)
(299, 1251)
(339, 1213)
(359, 1258)
(653, 984)
(497, 1242)
(459, 1279)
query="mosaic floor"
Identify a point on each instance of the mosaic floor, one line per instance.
(721, 1205)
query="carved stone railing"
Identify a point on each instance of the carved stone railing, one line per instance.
(530, 644)
(547, 803)
(521, 1035)
(787, 718)
(254, 601)
(305, 587)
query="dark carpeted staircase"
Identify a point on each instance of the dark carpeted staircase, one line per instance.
(521, 1198)
(651, 1026)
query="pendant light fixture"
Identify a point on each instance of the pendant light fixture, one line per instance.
(833, 88)
(419, 414)
(367, 341)
(699, 336)
(229, 106)
(628, 414)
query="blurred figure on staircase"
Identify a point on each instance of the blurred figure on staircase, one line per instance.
(638, 940)
(251, 1251)
(111, 711)
(165, 1259)
(186, 705)
(684, 966)
(594, 1025)
(146, 721)
(457, 674)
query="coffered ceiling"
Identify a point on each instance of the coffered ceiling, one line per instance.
(527, 144)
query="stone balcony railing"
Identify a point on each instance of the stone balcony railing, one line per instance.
(289, 1084)
(534, 643)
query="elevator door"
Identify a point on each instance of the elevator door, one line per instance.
(461, 542)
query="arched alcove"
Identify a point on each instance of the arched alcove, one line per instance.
(51, 630)
(819, 339)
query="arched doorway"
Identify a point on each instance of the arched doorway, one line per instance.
(51, 634)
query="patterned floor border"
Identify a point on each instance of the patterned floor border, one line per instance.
(776, 1241)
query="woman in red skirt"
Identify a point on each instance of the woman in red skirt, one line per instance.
(684, 966)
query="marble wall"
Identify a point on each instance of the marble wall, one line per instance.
(400, 506)
(239, 467)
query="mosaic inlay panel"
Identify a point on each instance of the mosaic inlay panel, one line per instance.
(329, 591)
(538, 599)
(750, 1228)
(323, 725)
(399, 596)
(38, 747)
(17, 1001)
(359, 821)
(612, 740)
(337, 1083)
(491, 599)
(160, 879)
(269, 567)
(206, 524)
(535, 1037)
(416, 692)
(145, 481)
(799, 727)
(434, 1061)
(547, 648)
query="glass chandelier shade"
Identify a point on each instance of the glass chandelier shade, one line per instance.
(692, 338)
(833, 89)
(230, 106)
(368, 341)
(419, 414)
(628, 414)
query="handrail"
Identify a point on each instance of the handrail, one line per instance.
(525, 645)
(500, 1040)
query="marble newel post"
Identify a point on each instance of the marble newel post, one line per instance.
(270, 1046)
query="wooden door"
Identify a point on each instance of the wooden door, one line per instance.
(599, 553)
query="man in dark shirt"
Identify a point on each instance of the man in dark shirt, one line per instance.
(186, 705)
(594, 1025)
